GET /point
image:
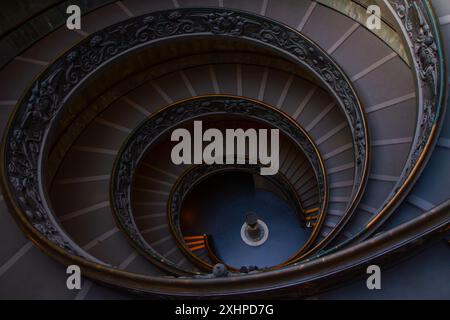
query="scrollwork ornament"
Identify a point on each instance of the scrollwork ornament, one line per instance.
(38, 111)
(150, 132)
(425, 49)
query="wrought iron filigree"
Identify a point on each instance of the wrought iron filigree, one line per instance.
(426, 53)
(193, 176)
(38, 112)
(424, 49)
(152, 129)
(198, 173)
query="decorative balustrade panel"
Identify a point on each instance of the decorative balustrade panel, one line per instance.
(163, 122)
(37, 113)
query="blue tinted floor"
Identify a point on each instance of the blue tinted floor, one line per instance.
(217, 207)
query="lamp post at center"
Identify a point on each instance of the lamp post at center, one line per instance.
(254, 231)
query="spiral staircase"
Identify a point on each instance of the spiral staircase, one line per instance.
(88, 180)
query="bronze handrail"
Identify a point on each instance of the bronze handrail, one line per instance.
(307, 277)
(150, 131)
(191, 177)
(421, 33)
(24, 149)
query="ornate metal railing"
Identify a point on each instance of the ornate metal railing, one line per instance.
(25, 149)
(420, 29)
(422, 36)
(161, 123)
(192, 177)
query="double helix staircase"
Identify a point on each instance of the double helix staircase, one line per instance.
(370, 104)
